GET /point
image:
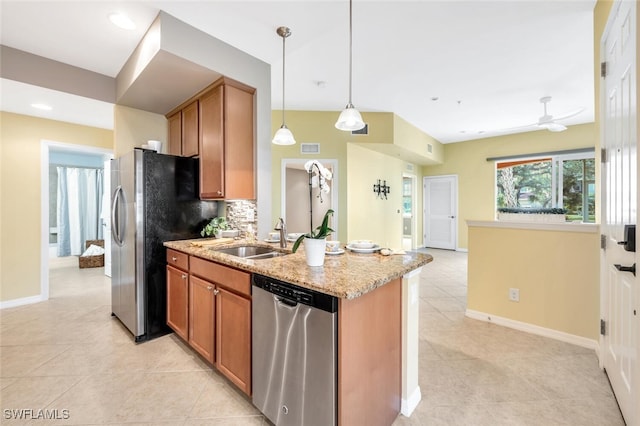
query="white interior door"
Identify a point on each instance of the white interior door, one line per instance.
(619, 287)
(440, 212)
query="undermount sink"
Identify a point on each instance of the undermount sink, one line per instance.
(251, 252)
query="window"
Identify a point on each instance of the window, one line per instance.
(558, 181)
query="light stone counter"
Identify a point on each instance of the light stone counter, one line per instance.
(347, 275)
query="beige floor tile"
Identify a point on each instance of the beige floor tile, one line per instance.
(34, 392)
(19, 361)
(220, 400)
(162, 396)
(97, 398)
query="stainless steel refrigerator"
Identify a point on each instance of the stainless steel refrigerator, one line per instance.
(155, 198)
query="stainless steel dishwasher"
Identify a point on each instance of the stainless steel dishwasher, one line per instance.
(294, 353)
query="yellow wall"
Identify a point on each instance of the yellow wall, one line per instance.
(556, 272)
(20, 193)
(409, 137)
(476, 175)
(371, 217)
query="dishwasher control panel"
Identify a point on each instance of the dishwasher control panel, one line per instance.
(289, 293)
(296, 294)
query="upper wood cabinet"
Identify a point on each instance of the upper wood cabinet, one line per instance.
(226, 141)
(175, 133)
(183, 131)
(217, 125)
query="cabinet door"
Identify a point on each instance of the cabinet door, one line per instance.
(202, 310)
(212, 178)
(178, 301)
(238, 139)
(233, 338)
(175, 134)
(190, 130)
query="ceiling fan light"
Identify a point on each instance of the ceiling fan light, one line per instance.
(283, 137)
(350, 119)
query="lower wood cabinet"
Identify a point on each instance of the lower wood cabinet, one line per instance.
(210, 308)
(202, 310)
(233, 338)
(178, 301)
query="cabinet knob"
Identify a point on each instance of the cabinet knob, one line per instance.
(216, 291)
(219, 192)
(184, 277)
(209, 288)
(174, 258)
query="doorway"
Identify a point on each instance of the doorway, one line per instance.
(296, 207)
(441, 211)
(49, 150)
(409, 196)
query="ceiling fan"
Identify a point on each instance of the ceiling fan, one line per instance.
(548, 121)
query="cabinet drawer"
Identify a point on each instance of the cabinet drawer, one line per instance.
(178, 259)
(230, 278)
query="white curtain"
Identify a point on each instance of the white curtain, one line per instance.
(79, 205)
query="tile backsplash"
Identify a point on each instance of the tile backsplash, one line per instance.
(243, 215)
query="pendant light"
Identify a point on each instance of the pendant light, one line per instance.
(350, 118)
(283, 136)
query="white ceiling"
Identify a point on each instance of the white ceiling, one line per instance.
(487, 62)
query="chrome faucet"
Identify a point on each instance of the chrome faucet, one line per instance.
(280, 226)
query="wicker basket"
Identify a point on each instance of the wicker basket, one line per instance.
(92, 261)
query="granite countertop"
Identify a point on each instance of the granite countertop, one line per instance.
(347, 275)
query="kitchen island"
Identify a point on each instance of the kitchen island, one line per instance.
(377, 331)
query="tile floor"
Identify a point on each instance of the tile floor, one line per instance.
(69, 354)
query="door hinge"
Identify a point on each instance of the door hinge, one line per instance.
(603, 155)
(603, 328)
(603, 69)
(603, 241)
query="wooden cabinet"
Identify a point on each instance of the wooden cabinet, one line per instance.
(226, 141)
(233, 338)
(175, 133)
(202, 308)
(178, 301)
(183, 131)
(212, 311)
(190, 130)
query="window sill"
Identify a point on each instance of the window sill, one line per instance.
(539, 226)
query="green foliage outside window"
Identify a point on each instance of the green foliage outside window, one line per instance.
(527, 185)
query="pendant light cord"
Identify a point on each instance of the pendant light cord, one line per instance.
(284, 37)
(350, 47)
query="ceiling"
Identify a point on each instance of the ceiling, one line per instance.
(458, 70)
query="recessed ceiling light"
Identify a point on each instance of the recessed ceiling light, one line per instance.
(434, 98)
(122, 21)
(44, 107)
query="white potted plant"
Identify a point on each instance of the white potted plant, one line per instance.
(315, 242)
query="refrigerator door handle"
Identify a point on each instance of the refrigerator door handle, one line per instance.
(116, 232)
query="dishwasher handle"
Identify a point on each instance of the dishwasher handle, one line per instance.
(285, 301)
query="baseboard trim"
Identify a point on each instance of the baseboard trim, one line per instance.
(22, 301)
(408, 405)
(463, 250)
(535, 329)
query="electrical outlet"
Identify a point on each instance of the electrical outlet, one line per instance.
(251, 215)
(514, 294)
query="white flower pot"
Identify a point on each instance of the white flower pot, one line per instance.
(314, 250)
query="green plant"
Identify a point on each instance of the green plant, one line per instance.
(322, 231)
(216, 224)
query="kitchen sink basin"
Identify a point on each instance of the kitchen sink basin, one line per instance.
(251, 252)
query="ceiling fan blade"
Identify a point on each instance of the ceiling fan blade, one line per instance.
(553, 127)
(571, 114)
(526, 126)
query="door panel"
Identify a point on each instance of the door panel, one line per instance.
(440, 212)
(619, 289)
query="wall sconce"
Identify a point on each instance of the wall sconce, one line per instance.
(381, 189)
